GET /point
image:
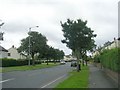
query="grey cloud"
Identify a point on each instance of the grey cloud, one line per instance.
(18, 26)
(101, 16)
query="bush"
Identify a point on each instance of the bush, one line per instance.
(13, 62)
(97, 59)
(109, 59)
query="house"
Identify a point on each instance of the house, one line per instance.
(3, 52)
(69, 58)
(110, 45)
(13, 53)
(95, 53)
(114, 44)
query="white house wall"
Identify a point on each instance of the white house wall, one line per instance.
(114, 45)
(3, 54)
(22, 57)
(14, 54)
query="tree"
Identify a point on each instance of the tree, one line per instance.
(37, 42)
(51, 53)
(58, 54)
(61, 54)
(78, 37)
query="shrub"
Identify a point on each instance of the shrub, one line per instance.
(110, 59)
(97, 59)
(13, 62)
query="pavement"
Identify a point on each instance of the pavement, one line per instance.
(98, 79)
(41, 78)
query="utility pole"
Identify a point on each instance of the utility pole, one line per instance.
(30, 44)
(1, 33)
(29, 47)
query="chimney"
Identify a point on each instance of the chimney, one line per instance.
(12, 46)
(114, 38)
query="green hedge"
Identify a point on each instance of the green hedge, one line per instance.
(110, 59)
(13, 62)
(97, 59)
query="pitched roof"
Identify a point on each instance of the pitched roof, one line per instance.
(3, 49)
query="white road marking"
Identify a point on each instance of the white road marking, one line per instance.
(53, 81)
(7, 80)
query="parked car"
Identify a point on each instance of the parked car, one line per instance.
(62, 62)
(73, 63)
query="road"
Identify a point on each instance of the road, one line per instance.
(42, 78)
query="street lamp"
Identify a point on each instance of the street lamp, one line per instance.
(1, 24)
(1, 33)
(30, 43)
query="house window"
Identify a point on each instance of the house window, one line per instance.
(8, 54)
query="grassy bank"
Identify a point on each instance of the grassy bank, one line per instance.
(76, 79)
(23, 68)
(0, 69)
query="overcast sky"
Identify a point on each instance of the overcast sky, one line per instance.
(19, 15)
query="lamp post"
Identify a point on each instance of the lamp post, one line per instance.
(30, 43)
(1, 33)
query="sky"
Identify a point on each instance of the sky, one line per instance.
(20, 15)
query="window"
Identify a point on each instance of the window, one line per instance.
(8, 54)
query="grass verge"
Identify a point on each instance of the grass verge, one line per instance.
(0, 70)
(76, 79)
(23, 68)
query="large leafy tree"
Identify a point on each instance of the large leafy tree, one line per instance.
(37, 42)
(47, 53)
(51, 53)
(78, 37)
(58, 54)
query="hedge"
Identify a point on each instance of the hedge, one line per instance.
(97, 59)
(110, 59)
(13, 62)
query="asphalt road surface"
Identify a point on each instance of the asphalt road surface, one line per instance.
(42, 78)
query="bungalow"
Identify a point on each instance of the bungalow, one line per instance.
(3, 52)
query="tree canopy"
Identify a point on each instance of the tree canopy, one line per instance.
(37, 42)
(78, 37)
(51, 53)
(38, 46)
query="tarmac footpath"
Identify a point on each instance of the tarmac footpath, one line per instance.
(98, 79)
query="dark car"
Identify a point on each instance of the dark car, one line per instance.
(73, 63)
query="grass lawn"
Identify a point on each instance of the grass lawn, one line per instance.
(76, 79)
(23, 68)
(0, 69)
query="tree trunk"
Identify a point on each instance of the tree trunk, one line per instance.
(82, 62)
(86, 62)
(40, 62)
(47, 61)
(54, 61)
(33, 60)
(78, 63)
